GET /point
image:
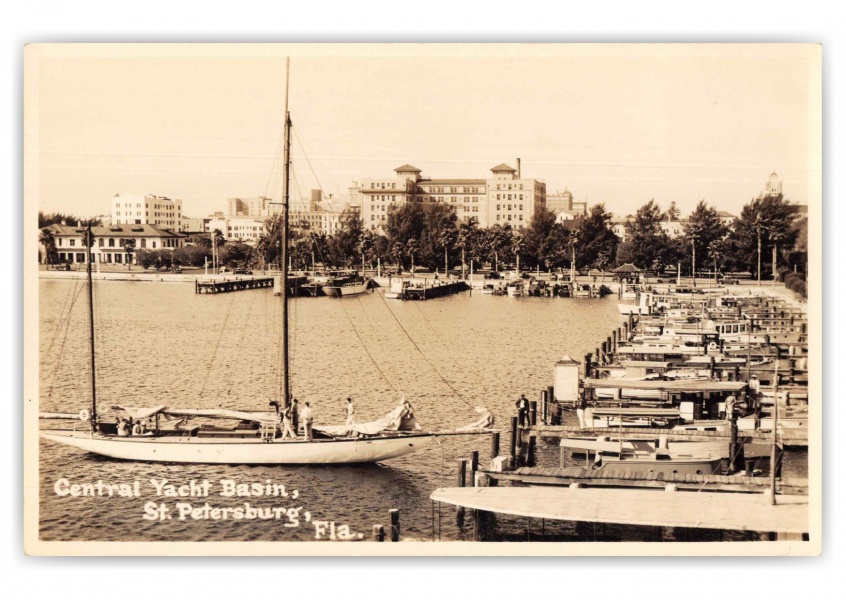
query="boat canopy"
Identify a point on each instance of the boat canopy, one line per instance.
(704, 385)
(214, 413)
(140, 413)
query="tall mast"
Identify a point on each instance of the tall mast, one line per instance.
(286, 384)
(90, 244)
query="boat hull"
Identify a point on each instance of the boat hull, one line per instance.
(342, 291)
(197, 450)
(681, 466)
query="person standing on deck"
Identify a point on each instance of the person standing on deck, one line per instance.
(286, 424)
(730, 402)
(307, 417)
(350, 410)
(295, 417)
(523, 410)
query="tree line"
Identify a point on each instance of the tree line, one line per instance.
(431, 236)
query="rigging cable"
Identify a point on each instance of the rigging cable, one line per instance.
(447, 383)
(217, 346)
(64, 339)
(363, 345)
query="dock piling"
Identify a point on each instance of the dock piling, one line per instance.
(395, 524)
(514, 437)
(494, 444)
(378, 533)
(474, 466)
(462, 481)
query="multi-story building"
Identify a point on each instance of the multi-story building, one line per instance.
(251, 207)
(246, 230)
(506, 197)
(321, 215)
(129, 209)
(565, 207)
(674, 228)
(111, 243)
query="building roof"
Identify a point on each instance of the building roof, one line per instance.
(743, 512)
(452, 182)
(407, 168)
(627, 268)
(503, 168)
(125, 231)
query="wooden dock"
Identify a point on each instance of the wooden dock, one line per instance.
(220, 286)
(428, 289)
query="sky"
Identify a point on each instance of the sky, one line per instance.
(611, 123)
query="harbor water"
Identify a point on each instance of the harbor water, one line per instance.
(162, 344)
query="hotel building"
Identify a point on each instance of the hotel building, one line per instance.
(505, 197)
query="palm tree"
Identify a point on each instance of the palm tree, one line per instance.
(48, 240)
(467, 233)
(411, 247)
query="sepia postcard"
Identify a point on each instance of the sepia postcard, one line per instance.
(422, 299)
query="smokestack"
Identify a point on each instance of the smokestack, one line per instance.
(518, 168)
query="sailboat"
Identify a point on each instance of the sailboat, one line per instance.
(224, 436)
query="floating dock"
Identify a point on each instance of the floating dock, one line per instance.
(426, 289)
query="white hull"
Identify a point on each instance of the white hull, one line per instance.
(197, 450)
(515, 290)
(684, 466)
(718, 448)
(345, 290)
(632, 309)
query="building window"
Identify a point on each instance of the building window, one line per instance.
(73, 242)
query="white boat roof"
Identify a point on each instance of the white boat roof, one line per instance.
(710, 510)
(696, 385)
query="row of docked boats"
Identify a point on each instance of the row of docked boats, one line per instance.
(691, 371)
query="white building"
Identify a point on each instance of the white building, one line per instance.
(319, 214)
(111, 242)
(506, 197)
(129, 209)
(246, 230)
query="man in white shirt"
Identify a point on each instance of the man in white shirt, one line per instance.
(307, 417)
(350, 412)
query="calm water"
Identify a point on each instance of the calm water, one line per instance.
(159, 343)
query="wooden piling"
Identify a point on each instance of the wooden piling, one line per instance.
(378, 533)
(533, 413)
(530, 451)
(587, 365)
(462, 481)
(614, 341)
(395, 524)
(494, 444)
(598, 357)
(514, 438)
(474, 466)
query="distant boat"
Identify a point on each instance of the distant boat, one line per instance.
(343, 287)
(515, 288)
